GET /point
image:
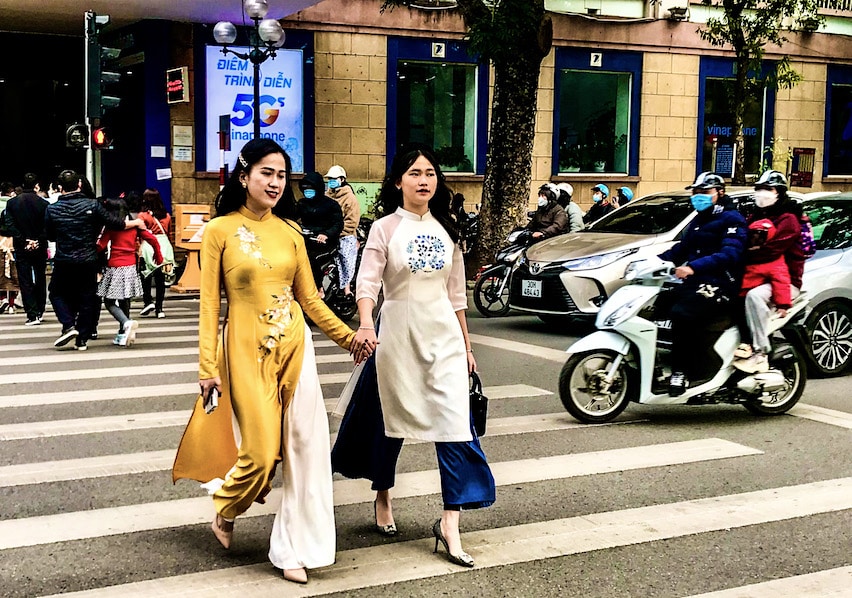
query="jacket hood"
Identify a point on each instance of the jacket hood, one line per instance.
(313, 180)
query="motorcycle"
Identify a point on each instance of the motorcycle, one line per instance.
(342, 305)
(491, 291)
(626, 359)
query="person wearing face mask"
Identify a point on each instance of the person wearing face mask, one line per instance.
(341, 192)
(549, 219)
(601, 206)
(709, 261)
(574, 212)
(772, 205)
(322, 216)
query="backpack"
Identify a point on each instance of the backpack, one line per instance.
(807, 243)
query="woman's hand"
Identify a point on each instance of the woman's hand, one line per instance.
(207, 383)
(364, 344)
(471, 363)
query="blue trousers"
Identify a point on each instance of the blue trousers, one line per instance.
(363, 451)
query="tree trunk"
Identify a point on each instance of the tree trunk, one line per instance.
(739, 102)
(508, 167)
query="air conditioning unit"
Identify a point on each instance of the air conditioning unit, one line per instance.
(674, 10)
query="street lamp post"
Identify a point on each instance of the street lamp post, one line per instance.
(264, 41)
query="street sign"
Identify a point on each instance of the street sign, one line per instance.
(77, 136)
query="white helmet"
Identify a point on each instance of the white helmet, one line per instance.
(567, 188)
(335, 172)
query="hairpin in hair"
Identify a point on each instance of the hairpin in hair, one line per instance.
(242, 160)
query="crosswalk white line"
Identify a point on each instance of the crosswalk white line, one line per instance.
(63, 527)
(516, 347)
(141, 421)
(821, 584)
(119, 353)
(113, 465)
(49, 336)
(142, 340)
(823, 415)
(100, 394)
(406, 561)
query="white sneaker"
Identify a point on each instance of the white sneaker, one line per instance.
(145, 311)
(34, 322)
(129, 331)
(753, 365)
(120, 339)
(11, 310)
(161, 315)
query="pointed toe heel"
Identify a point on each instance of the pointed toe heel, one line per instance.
(223, 530)
(385, 530)
(463, 559)
(299, 576)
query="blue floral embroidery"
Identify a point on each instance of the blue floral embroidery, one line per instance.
(426, 253)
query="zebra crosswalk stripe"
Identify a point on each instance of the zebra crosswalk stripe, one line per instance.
(64, 527)
(406, 561)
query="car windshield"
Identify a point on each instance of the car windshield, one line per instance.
(649, 216)
(832, 222)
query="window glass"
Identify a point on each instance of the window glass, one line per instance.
(594, 121)
(436, 105)
(651, 216)
(719, 134)
(840, 130)
(831, 221)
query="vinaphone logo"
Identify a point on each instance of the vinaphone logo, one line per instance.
(269, 115)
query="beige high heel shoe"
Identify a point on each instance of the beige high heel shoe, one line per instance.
(296, 575)
(223, 530)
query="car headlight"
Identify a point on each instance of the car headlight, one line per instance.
(597, 261)
(511, 257)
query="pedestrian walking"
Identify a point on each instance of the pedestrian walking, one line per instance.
(412, 254)
(158, 220)
(263, 365)
(75, 222)
(121, 283)
(25, 212)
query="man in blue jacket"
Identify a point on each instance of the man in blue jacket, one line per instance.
(709, 261)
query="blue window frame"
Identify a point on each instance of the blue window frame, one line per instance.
(438, 95)
(596, 111)
(838, 122)
(715, 122)
(303, 41)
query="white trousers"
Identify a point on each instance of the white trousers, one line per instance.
(303, 534)
(758, 309)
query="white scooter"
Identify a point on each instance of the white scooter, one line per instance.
(627, 360)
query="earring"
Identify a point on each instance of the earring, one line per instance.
(245, 185)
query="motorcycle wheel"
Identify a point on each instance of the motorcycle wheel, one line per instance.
(795, 374)
(581, 387)
(485, 297)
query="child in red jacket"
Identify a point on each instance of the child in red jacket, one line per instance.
(121, 281)
(776, 272)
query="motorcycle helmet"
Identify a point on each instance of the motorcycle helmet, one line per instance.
(625, 193)
(567, 188)
(707, 180)
(602, 188)
(549, 191)
(771, 179)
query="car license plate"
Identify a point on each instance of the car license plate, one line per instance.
(531, 288)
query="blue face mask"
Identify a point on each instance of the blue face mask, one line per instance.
(309, 193)
(702, 201)
(333, 183)
(597, 198)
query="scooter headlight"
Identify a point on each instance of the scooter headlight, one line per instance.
(597, 261)
(621, 313)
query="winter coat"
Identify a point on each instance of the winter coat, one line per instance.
(785, 243)
(350, 207)
(75, 222)
(598, 211)
(575, 217)
(27, 213)
(550, 220)
(712, 245)
(322, 216)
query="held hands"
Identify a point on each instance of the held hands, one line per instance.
(322, 238)
(364, 344)
(32, 244)
(683, 271)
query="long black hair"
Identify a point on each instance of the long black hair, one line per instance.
(152, 202)
(390, 197)
(233, 194)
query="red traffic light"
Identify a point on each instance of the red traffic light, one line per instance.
(101, 139)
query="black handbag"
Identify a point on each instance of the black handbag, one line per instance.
(478, 404)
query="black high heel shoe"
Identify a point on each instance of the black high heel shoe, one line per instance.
(385, 530)
(462, 558)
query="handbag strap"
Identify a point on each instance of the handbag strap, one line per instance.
(160, 224)
(476, 383)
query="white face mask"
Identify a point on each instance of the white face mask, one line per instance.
(763, 198)
(542, 201)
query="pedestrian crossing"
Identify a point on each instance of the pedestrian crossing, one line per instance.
(534, 447)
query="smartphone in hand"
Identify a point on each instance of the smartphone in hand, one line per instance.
(211, 400)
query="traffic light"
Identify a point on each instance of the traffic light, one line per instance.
(101, 139)
(98, 73)
(77, 136)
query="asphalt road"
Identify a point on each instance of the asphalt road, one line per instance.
(667, 502)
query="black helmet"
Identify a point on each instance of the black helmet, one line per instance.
(771, 179)
(707, 180)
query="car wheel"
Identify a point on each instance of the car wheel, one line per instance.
(830, 334)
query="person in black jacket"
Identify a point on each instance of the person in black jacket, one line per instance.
(323, 217)
(549, 219)
(709, 260)
(26, 212)
(75, 221)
